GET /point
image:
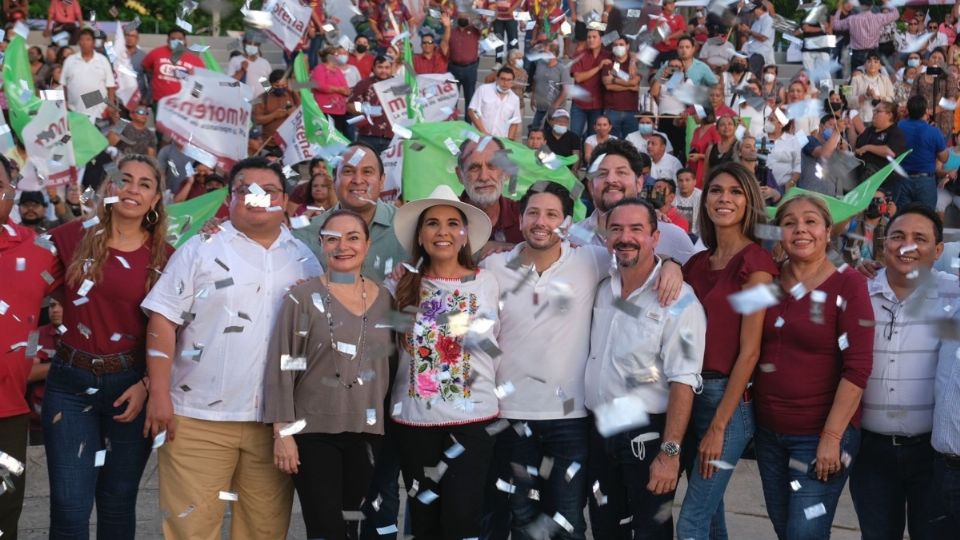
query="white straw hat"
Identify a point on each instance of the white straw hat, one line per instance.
(405, 220)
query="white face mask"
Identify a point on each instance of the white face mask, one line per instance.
(769, 126)
(769, 77)
(175, 43)
(518, 62)
(619, 51)
(251, 49)
(342, 59)
(560, 130)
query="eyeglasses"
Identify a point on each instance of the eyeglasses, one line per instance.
(427, 42)
(273, 192)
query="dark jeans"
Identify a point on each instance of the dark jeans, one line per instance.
(382, 504)
(467, 79)
(622, 469)
(13, 441)
(455, 511)
(334, 474)
(946, 493)
(582, 119)
(787, 507)
(921, 189)
(565, 441)
(890, 487)
(507, 31)
(677, 135)
(76, 424)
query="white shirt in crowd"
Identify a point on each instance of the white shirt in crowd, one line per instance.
(667, 167)
(763, 25)
(81, 77)
(257, 69)
(898, 399)
(641, 354)
(674, 242)
(640, 143)
(882, 89)
(226, 318)
(497, 111)
(689, 207)
(784, 157)
(351, 73)
(544, 334)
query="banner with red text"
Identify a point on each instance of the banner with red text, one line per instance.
(209, 117)
(128, 84)
(438, 95)
(46, 137)
(290, 20)
(291, 137)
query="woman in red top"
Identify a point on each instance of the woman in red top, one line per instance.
(815, 358)
(390, 16)
(722, 422)
(64, 16)
(331, 91)
(93, 410)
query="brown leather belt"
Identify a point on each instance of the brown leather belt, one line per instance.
(99, 364)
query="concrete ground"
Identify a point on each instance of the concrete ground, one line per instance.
(746, 513)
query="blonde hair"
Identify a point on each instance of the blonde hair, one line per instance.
(92, 252)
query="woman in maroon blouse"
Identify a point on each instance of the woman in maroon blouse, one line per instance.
(816, 356)
(93, 405)
(722, 421)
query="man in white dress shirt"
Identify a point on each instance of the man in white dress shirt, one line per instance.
(84, 73)
(495, 107)
(211, 316)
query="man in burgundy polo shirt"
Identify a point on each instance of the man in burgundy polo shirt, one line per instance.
(26, 277)
(480, 170)
(464, 56)
(587, 74)
(374, 129)
(621, 90)
(361, 58)
(432, 60)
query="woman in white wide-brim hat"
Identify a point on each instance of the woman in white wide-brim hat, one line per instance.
(443, 393)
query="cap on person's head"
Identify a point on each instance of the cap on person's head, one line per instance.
(256, 132)
(32, 197)
(560, 113)
(252, 36)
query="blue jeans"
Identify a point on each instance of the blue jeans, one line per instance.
(946, 494)
(467, 78)
(580, 119)
(890, 487)
(623, 122)
(702, 513)
(76, 424)
(538, 120)
(786, 506)
(622, 469)
(565, 441)
(921, 189)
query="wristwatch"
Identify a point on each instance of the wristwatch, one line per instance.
(55, 200)
(670, 448)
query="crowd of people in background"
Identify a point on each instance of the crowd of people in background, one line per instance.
(518, 371)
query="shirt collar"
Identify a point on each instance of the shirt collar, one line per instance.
(616, 286)
(229, 232)
(880, 286)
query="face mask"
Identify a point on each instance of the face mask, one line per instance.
(501, 90)
(175, 43)
(361, 49)
(518, 62)
(279, 91)
(769, 127)
(769, 77)
(342, 59)
(560, 130)
(909, 81)
(646, 129)
(913, 62)
(827, 133)
(619, 51)
(737, 68)
(463, 23)
(251, 49)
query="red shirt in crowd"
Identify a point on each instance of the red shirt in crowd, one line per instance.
(49, 339)
(435, 64)
(593, 85)
(163, 72)
(62, 12)
(677, 219)
(619, 100)
(713, 287)
(464, 45)
(113, 304)
(365, 93)
(363, 63)
(802, 361)
(676, 24)
(326, 77)
(23, 265)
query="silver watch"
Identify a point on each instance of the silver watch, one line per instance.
(670, 448)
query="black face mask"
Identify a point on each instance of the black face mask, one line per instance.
(279, 91)
(737, 68)
(361, 49)
(463, 23)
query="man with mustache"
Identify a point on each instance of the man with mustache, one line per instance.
(643, 368)
(482, 169)
(614, 174)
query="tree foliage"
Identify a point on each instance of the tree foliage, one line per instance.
(160, 15)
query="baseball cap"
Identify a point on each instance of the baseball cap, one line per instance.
(32, 197)
(560, 113)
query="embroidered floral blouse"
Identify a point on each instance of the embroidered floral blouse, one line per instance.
(446, 373)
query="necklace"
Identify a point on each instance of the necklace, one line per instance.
(345, 349)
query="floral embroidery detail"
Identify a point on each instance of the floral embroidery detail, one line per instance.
(439, 365)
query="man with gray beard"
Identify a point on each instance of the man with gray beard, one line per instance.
(481, 168)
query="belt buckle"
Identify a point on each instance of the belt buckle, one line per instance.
(97, 366)
(897, 440)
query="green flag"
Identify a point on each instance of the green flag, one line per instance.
(427, 163)
(852, 203)
(210, 62)
(691, 127)
(318, 126)
(187, 218)
(23, 103)
(414, 109)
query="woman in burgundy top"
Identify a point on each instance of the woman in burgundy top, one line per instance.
(815, 359)
(93, 410)
(721, 423)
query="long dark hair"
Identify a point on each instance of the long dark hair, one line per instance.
(754, 213)
(408, 288)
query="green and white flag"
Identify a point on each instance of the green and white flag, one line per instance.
(185, 219)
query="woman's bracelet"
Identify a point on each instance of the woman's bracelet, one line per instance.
(831, 434)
